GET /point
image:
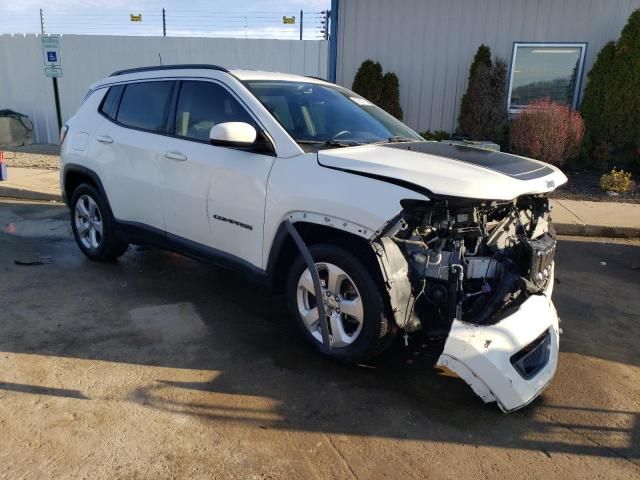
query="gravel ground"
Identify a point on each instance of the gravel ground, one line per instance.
(585, 186)
(44, 155)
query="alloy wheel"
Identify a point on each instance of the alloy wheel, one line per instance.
(342, 303)
(88, 221)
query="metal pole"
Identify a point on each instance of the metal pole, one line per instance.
(333, 40)
(326, 24)
(56, 96)
(301, 19)
(56, 92)
(164, 23)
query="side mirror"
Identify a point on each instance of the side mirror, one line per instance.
(233, 134)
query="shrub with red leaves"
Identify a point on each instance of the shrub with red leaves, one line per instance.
(547, 131)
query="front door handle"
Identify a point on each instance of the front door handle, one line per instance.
(104, 139)
(177, 156)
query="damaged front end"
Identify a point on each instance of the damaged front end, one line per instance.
(476, 278)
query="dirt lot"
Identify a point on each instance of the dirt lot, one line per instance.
(161, 367)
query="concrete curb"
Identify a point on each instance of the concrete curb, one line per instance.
(24, 194)
(583, 230)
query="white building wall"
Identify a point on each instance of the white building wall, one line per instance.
(87, 58)
(430, 44)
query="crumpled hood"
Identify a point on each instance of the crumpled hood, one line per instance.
(447, 170)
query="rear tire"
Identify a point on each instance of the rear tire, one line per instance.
(357, 314)
(93, 226)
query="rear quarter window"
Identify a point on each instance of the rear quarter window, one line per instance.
(109, 103)
(145, 105)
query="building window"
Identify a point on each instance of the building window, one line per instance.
(545, 70)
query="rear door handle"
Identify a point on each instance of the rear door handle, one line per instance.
(177, 156)
(104, 139)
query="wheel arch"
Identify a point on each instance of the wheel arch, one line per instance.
(74, 175)
(284, 250)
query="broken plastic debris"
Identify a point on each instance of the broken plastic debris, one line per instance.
(28, 264)
(43, 260)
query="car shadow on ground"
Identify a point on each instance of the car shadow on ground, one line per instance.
(160, 309)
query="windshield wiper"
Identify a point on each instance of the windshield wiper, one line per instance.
(395, 139)
(331, 143)
(342, 143)
(400, 139)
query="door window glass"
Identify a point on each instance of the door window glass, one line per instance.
(201, 105)
(144, 105)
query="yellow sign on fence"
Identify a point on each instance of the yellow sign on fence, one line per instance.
(288, 20)
(136, 18)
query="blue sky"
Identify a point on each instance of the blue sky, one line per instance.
(251, 18)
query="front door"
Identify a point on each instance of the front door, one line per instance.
(214, 196)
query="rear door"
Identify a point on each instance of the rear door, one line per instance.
(127, 148)
(214, 196)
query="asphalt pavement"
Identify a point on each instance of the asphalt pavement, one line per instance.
(157, 366)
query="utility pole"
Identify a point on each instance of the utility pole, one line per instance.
(301, 20)
(56, 93)
(164, 23)
(325, 26)
(41, 22)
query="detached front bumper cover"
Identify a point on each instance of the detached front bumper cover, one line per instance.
(484, 356)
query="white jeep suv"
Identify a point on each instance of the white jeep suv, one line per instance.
(367, 229)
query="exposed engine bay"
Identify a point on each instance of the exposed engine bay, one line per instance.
(471, 261)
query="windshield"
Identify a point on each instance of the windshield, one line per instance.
(322, 116)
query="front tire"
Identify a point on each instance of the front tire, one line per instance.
(359, 324)
(92, 225)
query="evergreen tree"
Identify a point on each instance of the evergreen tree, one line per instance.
(611, 105)
(596, 89)
(593, 105)
(622, 108)
(368, 81)
(498, 117)
(390, 95)
(476, 106)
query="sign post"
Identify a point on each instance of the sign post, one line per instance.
(53, 68)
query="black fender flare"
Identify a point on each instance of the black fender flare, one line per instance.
(87, 172)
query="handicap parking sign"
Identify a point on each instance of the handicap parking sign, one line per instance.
(51, 52)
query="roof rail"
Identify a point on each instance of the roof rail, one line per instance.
(184, 66)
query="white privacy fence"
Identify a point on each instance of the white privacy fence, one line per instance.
(86, 58)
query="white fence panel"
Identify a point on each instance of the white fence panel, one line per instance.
(87, 58)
